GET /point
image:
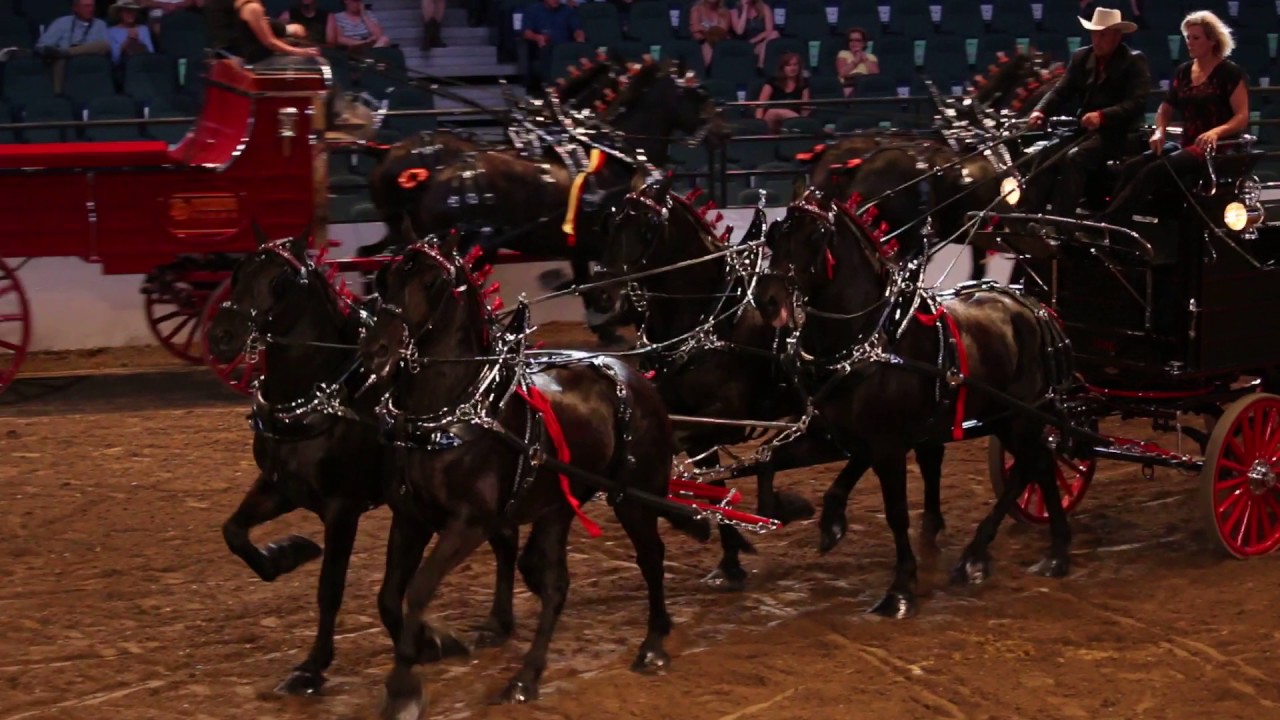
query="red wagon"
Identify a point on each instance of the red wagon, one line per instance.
(181, 214)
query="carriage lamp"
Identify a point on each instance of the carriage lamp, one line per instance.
(1238, 216)
(1011, 190)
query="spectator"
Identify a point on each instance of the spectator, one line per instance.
(432, 16)
(1135, 6)
(161, 8)
(314, 20)
(79, 33)
(789, 84)
(126, 36)
(753, 21)
(624, 13)
(356, 28)
(547, 24)
(854, 60)
(242, 29)
(709, 23)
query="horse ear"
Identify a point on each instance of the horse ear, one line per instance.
(299, 243)
(259, 236)
(664, 187)
(755, 230)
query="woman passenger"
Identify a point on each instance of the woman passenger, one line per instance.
(1211, 93)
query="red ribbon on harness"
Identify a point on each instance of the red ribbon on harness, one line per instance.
(962, 358)
(540, 403)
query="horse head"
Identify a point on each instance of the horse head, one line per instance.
(659, 100)
(271, 290)
(432, 301)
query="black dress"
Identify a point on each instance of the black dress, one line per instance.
(228, 33)
(1207, 105)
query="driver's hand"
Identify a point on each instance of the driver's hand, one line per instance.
(1091, 121)
(1035, 119)
(1157, 143)
(295, 30)
(305, 52)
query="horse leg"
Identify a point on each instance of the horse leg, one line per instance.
(405, 546)
(834, 522)
(1057, 563)
(890, 463)
(974, 566)
(501, 622)
(262, 503)
(781, 505)
(341, 523)
(641, 526)
(929, 459)
(458, 540)
(729, 574)
(545, 567)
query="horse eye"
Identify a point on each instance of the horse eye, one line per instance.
(280, 285)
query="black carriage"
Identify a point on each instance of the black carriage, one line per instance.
(1168, 317)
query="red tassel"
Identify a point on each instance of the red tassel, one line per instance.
(539, 345)
(724, 236)
(493, 289)
(717, 219)
(497, 304)
(693, 194)
(650, 375)
(540, 403)
(472, 255)
(479, 276)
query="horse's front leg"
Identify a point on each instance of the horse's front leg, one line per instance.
(501, 622)
(889, 460)
(264, 502)
(834, 522)
(340, 525)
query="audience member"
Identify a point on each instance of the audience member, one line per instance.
(432, 16)
(313, 19)
(356, 28)
(159, 9)
(788, 84)
(126, 36)
(854, 60)
(753, 21)
(709, 23)
(547, 24)
(79, 33)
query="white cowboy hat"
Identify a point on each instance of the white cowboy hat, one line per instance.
(1107, 18)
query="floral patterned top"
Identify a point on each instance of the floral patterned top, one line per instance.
(1207, 105)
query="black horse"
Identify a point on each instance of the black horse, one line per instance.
(474, 421)
(507, 201)
(735, 373)
(315, 445)
(893, 365)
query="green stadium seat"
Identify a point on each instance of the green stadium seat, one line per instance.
(47, 110)
(112, 107)
(27, 79)
(149, 76)
(171, 106)
(88, 77)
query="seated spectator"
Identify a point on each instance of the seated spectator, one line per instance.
(854, 60)
(1135, 6)
(313, 20)
(709, 23)
(789, 84)
(126, 36)
(356, 28)
(624, 13)
(547, 24)
(753, 22)
(158, 9)
(79, 33)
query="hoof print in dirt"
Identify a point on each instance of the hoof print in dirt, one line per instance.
(517, 692)
(895, 605)
(727, 580)
(301, 682)
(1051, 567)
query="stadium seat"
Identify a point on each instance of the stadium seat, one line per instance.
(600, 24)
(112, 107)
(6, 117)
(42, 12)
(88, 77)
(806, 22)
(687, 53)
(47, 110)
(15, 32)
(963, 19)
(148, 76)
(27, 79)
(171, 106)
(650, 22)
(409, 97)
(860, 13)
(734, 60)
(1013, 17)
(634, 50)
(945, 55)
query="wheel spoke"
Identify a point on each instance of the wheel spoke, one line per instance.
(1231, 499)
(1236, 515)
(11, 347)
(12, 318)
(1234, 445)
(186, 322)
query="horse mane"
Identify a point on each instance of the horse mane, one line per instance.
(1002, 76)
(593, 73)
(639, 79)
(713, 225)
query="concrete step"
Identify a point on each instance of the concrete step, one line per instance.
(412, 15)
(467, 69)
(486, 95)
(452, 55)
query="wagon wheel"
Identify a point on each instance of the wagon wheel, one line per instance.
(238, 374)
(1240, 481)
(1074, 476)
(15, 324)
(175, 301)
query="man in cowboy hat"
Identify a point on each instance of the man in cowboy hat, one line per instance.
(1108, 82)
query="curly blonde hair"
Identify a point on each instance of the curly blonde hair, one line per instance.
(1215, 31)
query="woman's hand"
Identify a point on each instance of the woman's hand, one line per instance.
(1157, 142)
(1208, 139)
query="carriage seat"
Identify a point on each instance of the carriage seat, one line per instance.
(77, 155)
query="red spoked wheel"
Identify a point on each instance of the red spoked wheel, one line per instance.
(15, 324)
(175, 300)
(1240, 481)
(239, 374)
(1074, 476)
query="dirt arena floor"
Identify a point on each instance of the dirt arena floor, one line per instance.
(119, 600)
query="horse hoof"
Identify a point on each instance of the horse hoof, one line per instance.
(301, 682)
(491, 636)
(971, 571)
(518, 692)
(404, 699)
(727, 580)
(651, 660)
(831, 533)
(895, 605)
(790, 507)
(289, 554)
(440, 646)
(931, 528)
(1052, 567)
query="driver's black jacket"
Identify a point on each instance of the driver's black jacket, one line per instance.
(1119, 91)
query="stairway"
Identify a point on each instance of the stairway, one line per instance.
(469, 52)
